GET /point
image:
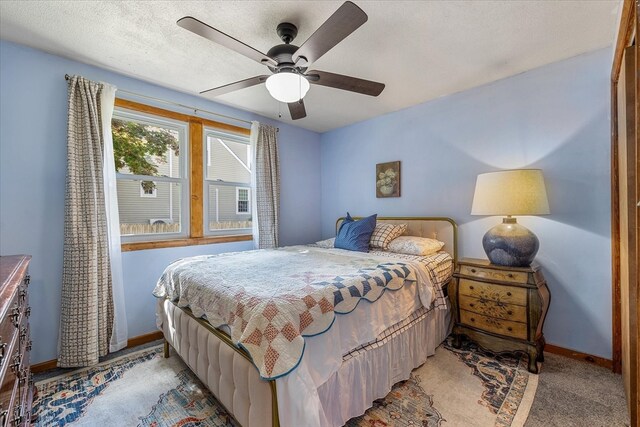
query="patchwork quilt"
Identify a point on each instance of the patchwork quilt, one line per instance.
(438, 267)
(272, 299)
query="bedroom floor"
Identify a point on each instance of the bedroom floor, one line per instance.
(575, 393)
(570, 393)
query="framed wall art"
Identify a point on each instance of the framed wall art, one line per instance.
(388, 179)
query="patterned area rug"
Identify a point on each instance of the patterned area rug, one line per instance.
(465, 387)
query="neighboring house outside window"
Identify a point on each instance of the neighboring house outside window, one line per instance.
(152, 180)
(242, 201)
(227, 182)
(148, 189)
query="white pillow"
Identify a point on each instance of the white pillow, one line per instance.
(329, 243)
(413, 245)
(385, 233)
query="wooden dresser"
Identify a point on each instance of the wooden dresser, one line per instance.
(500, 308)
(16, 392)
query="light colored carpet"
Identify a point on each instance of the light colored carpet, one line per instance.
(464, 387)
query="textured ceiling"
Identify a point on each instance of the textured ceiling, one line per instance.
(420, 50)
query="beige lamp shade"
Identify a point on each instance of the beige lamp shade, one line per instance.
(512, 192)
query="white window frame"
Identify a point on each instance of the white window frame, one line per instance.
(154, 192)
(183, 135)
(214, 133)
(248, 212)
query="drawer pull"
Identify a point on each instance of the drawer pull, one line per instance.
(23, 334)
(3, 347)
(22, 376)
(473, 270)
(508, 294)
(27, 312)
(510, 275)
(471, 287)
(29, 345)
(509, 312)
(471, 305)
(17, 361)
(472, 319)
(27, 279)
(17, 414)
(23, 295)
(509, 329)
(15, 315)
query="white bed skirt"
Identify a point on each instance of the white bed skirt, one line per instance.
(347, 393)
(371, 374)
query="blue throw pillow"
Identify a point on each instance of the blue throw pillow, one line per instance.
(355, 235)
(347, 220)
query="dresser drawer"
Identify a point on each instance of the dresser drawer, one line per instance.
(15, 343)
(9, 350)
(26, 402)
(9, 390)
(515, 313)
(22, 408)
(491, 274)
(8, 329)
(503, 294)
(496, 326)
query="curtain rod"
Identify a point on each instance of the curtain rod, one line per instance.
(195, 109)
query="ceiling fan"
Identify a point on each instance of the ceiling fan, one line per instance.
(289, 81)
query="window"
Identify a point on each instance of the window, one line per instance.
(242, 201)
(173, 189)
(227, 178)
(148, 189)
(151, 175)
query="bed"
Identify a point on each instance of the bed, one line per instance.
(384, 320)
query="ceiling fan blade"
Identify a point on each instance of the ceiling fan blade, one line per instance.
(210, 33)
(340, 81)
(297, 110)
(343, 22)
(221, 90)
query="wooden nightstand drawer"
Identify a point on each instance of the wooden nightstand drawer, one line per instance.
(515, 313)
(491, 324)
(499, 293)
(488, 273)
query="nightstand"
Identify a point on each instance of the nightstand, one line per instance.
(500, 308)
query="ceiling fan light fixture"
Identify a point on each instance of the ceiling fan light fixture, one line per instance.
(287, 86)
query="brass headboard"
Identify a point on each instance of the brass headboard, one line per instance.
(440, 228)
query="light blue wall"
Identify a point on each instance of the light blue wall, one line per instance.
(141, 271)
(33, 110)
(555, 118)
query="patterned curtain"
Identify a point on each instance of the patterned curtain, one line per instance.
(265, 182)
(86, 318)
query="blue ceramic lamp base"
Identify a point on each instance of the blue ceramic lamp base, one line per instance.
(510, 244)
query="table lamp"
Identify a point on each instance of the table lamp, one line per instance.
(508, 193)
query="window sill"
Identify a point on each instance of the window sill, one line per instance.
(193, 241)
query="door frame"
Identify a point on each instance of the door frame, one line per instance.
(628, 33)
(628, 25)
